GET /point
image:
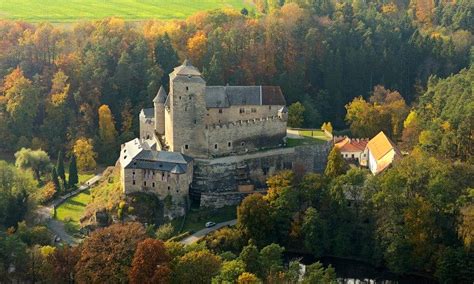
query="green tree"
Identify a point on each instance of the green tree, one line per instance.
(336, 165)
(60, 166)
(196, 267)
(73, 174)
(36, 160)
(296, 115)
(271, 259)
(251, 258)
(165, 56)
(317, 274)
(253, 219)
(55, 179)
(315, 232)
(230, 271)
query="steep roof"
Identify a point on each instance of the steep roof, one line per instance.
(380, 145)
(186, 69)
(148, 112)
(225, 96)
(137, 155)
(160, 96)
(351, 145)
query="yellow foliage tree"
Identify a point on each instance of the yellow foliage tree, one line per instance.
(197, 46)
(84, 151)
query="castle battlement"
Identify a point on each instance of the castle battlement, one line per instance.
(243, 123)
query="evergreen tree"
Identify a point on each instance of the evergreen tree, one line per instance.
(73, 175)
(55, 179)
(165, 56)
(60, 166)
(336, 165)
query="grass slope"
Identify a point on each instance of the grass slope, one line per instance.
(72, 210)
(73, 10)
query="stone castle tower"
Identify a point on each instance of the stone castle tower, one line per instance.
(185, 111)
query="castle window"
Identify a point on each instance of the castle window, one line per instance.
(254, 110)
(187, 88)
(133, 172)
(144, 183)
(270, 107)
(242, 110)
(215, 146)
(153, 184)
(169, 188)
(195, 121)
(124, 157)
(242, 144)
(179, 97)
(229, 144)
(220, 110)
(186, 146)
(133, 182)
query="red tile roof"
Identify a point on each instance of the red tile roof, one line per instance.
(352, 145)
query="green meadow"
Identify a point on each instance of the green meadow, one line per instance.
(63, 11)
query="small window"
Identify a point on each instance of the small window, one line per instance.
(179, 97)
(153, 184)
(195, 121)
(186, 146)
(144, 183)
(187, 88)
(242, 110)
(133, 182)
(242, 144)
(254, 110)
(133, 172)
(229, 144)
(270, 107)
(220, 110)
(215, 146)
(169, 188)
(125, 156)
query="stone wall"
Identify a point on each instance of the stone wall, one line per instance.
(217, 180)
(147, 127)
(157, 182)
(245, 135)
(219, 200)
(235, 113)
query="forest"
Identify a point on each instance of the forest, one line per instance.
(402, 67)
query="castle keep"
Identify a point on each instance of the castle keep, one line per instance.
(209, 140)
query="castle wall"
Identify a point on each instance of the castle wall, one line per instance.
(235, 113)
(217, 180)
(160, 183)
(245, 135)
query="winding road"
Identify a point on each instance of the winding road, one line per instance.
(202, 233)
(45, 213)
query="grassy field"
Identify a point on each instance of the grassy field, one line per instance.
(70, 212)
(309, 137)
(134, 10)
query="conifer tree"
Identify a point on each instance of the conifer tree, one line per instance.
(60, 166)
(73, 176)
(336, 165)
(55, 179)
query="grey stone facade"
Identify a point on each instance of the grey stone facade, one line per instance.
(215, 143)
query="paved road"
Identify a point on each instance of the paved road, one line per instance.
(202, 233)
(44, 213)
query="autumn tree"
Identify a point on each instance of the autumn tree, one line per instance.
(61, 264)
(253, 218)
(248, 278)
(107, 254)
(107, 135)
(196, 266)
(84, 151)
(150, 263)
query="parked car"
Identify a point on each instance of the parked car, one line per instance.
(210, 224)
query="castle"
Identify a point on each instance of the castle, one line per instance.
(207, 139)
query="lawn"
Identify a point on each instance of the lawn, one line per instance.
(72, 210)
(197, 218)
(73, 10)
(319, 134)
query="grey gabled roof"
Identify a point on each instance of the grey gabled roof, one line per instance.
(160, 96)
(148, 112)
(225, 96)
(138, 155)
(186, 69)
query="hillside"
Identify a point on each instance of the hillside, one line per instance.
(74, 10)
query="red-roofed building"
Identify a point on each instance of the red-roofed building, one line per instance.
(352, 149)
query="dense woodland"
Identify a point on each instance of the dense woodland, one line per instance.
(365, 66)
(323, 54)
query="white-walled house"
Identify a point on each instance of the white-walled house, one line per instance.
(381, 153)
